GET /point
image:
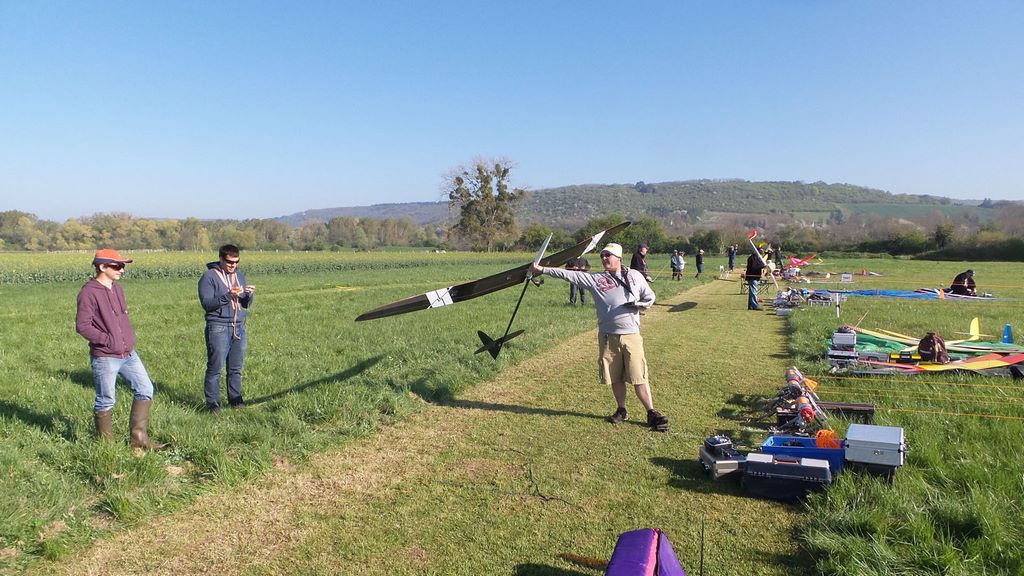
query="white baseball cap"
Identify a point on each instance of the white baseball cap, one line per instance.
(614, 249)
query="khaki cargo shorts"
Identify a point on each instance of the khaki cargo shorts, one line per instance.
(621, 359)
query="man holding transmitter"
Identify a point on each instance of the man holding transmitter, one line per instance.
(619, 295)
(226, 298)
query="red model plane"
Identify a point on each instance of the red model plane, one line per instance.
(797, 262)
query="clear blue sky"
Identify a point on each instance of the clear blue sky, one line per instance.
(260, 109)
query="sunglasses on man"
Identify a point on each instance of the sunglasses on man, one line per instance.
(115, 266)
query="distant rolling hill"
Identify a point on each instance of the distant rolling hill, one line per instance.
(700, 200)
(421, 213)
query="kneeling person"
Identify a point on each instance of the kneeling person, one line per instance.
(964, 284)
(619, 296)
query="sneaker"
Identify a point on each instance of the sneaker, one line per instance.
(213, 408)
(657, 421)
(619, 416)
(238, 404)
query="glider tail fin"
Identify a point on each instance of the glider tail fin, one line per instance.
(492, 346)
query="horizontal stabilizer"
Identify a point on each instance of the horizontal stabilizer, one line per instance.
(494, 346)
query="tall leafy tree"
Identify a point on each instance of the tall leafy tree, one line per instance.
(944, 234)
(486, 203)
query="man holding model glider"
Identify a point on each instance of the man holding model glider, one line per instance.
(619, 296)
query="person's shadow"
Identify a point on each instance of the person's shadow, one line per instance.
(443, 395)
(332, 379)
(51, 422)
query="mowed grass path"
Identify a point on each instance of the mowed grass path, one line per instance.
(509, 476)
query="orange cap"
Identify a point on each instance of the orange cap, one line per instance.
(109, 256)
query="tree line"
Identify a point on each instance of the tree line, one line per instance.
(24, 231)
(999, 239)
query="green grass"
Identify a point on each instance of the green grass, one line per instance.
(955, 507)
(314, 378)
(920, 210)
(513, 471)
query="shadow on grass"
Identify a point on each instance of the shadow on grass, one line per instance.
(81, 377)
(332, 379)
(750, 414)
(681, 307)
(442, 395)
(689, 475)
(543, 570)
(51, 423)
(160, 392)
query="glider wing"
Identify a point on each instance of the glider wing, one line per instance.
(486, 285)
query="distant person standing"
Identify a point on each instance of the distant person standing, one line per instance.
(753, 273)
(639, 262)
(700, 263)
(580, 264)
(226, 298)
(677, 265)
(732, 257)
(778, 256)
(619, 296)
(102, 319)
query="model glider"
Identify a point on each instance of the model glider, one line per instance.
(977, 364)
(487, 285)
(769, 265)
(493, 346)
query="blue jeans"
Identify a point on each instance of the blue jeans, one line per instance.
(224, 345)
(104, 374)
(752, 295)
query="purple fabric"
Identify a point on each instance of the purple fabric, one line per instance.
(668, 563)
(645, 552)
(635, 554)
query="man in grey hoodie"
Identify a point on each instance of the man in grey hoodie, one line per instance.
(226, 298)
(619, 295)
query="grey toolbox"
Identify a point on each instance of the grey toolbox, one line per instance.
(877, 449)
(843, 352)
(784, 477)
(720, 459)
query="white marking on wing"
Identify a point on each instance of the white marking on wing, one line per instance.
(440, 297)
(593, 242)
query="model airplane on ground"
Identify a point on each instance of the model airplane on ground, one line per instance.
(795, 262)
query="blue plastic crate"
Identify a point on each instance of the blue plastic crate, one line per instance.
(806, 449)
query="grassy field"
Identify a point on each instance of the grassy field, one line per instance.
(918, 211)
(314, 378)
(482, 477)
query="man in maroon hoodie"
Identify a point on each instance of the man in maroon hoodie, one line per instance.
(102, 319)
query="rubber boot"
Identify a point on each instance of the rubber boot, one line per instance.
(104, 425)
(138, 424)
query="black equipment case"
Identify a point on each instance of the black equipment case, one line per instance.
(782, 477)
(720, 459)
